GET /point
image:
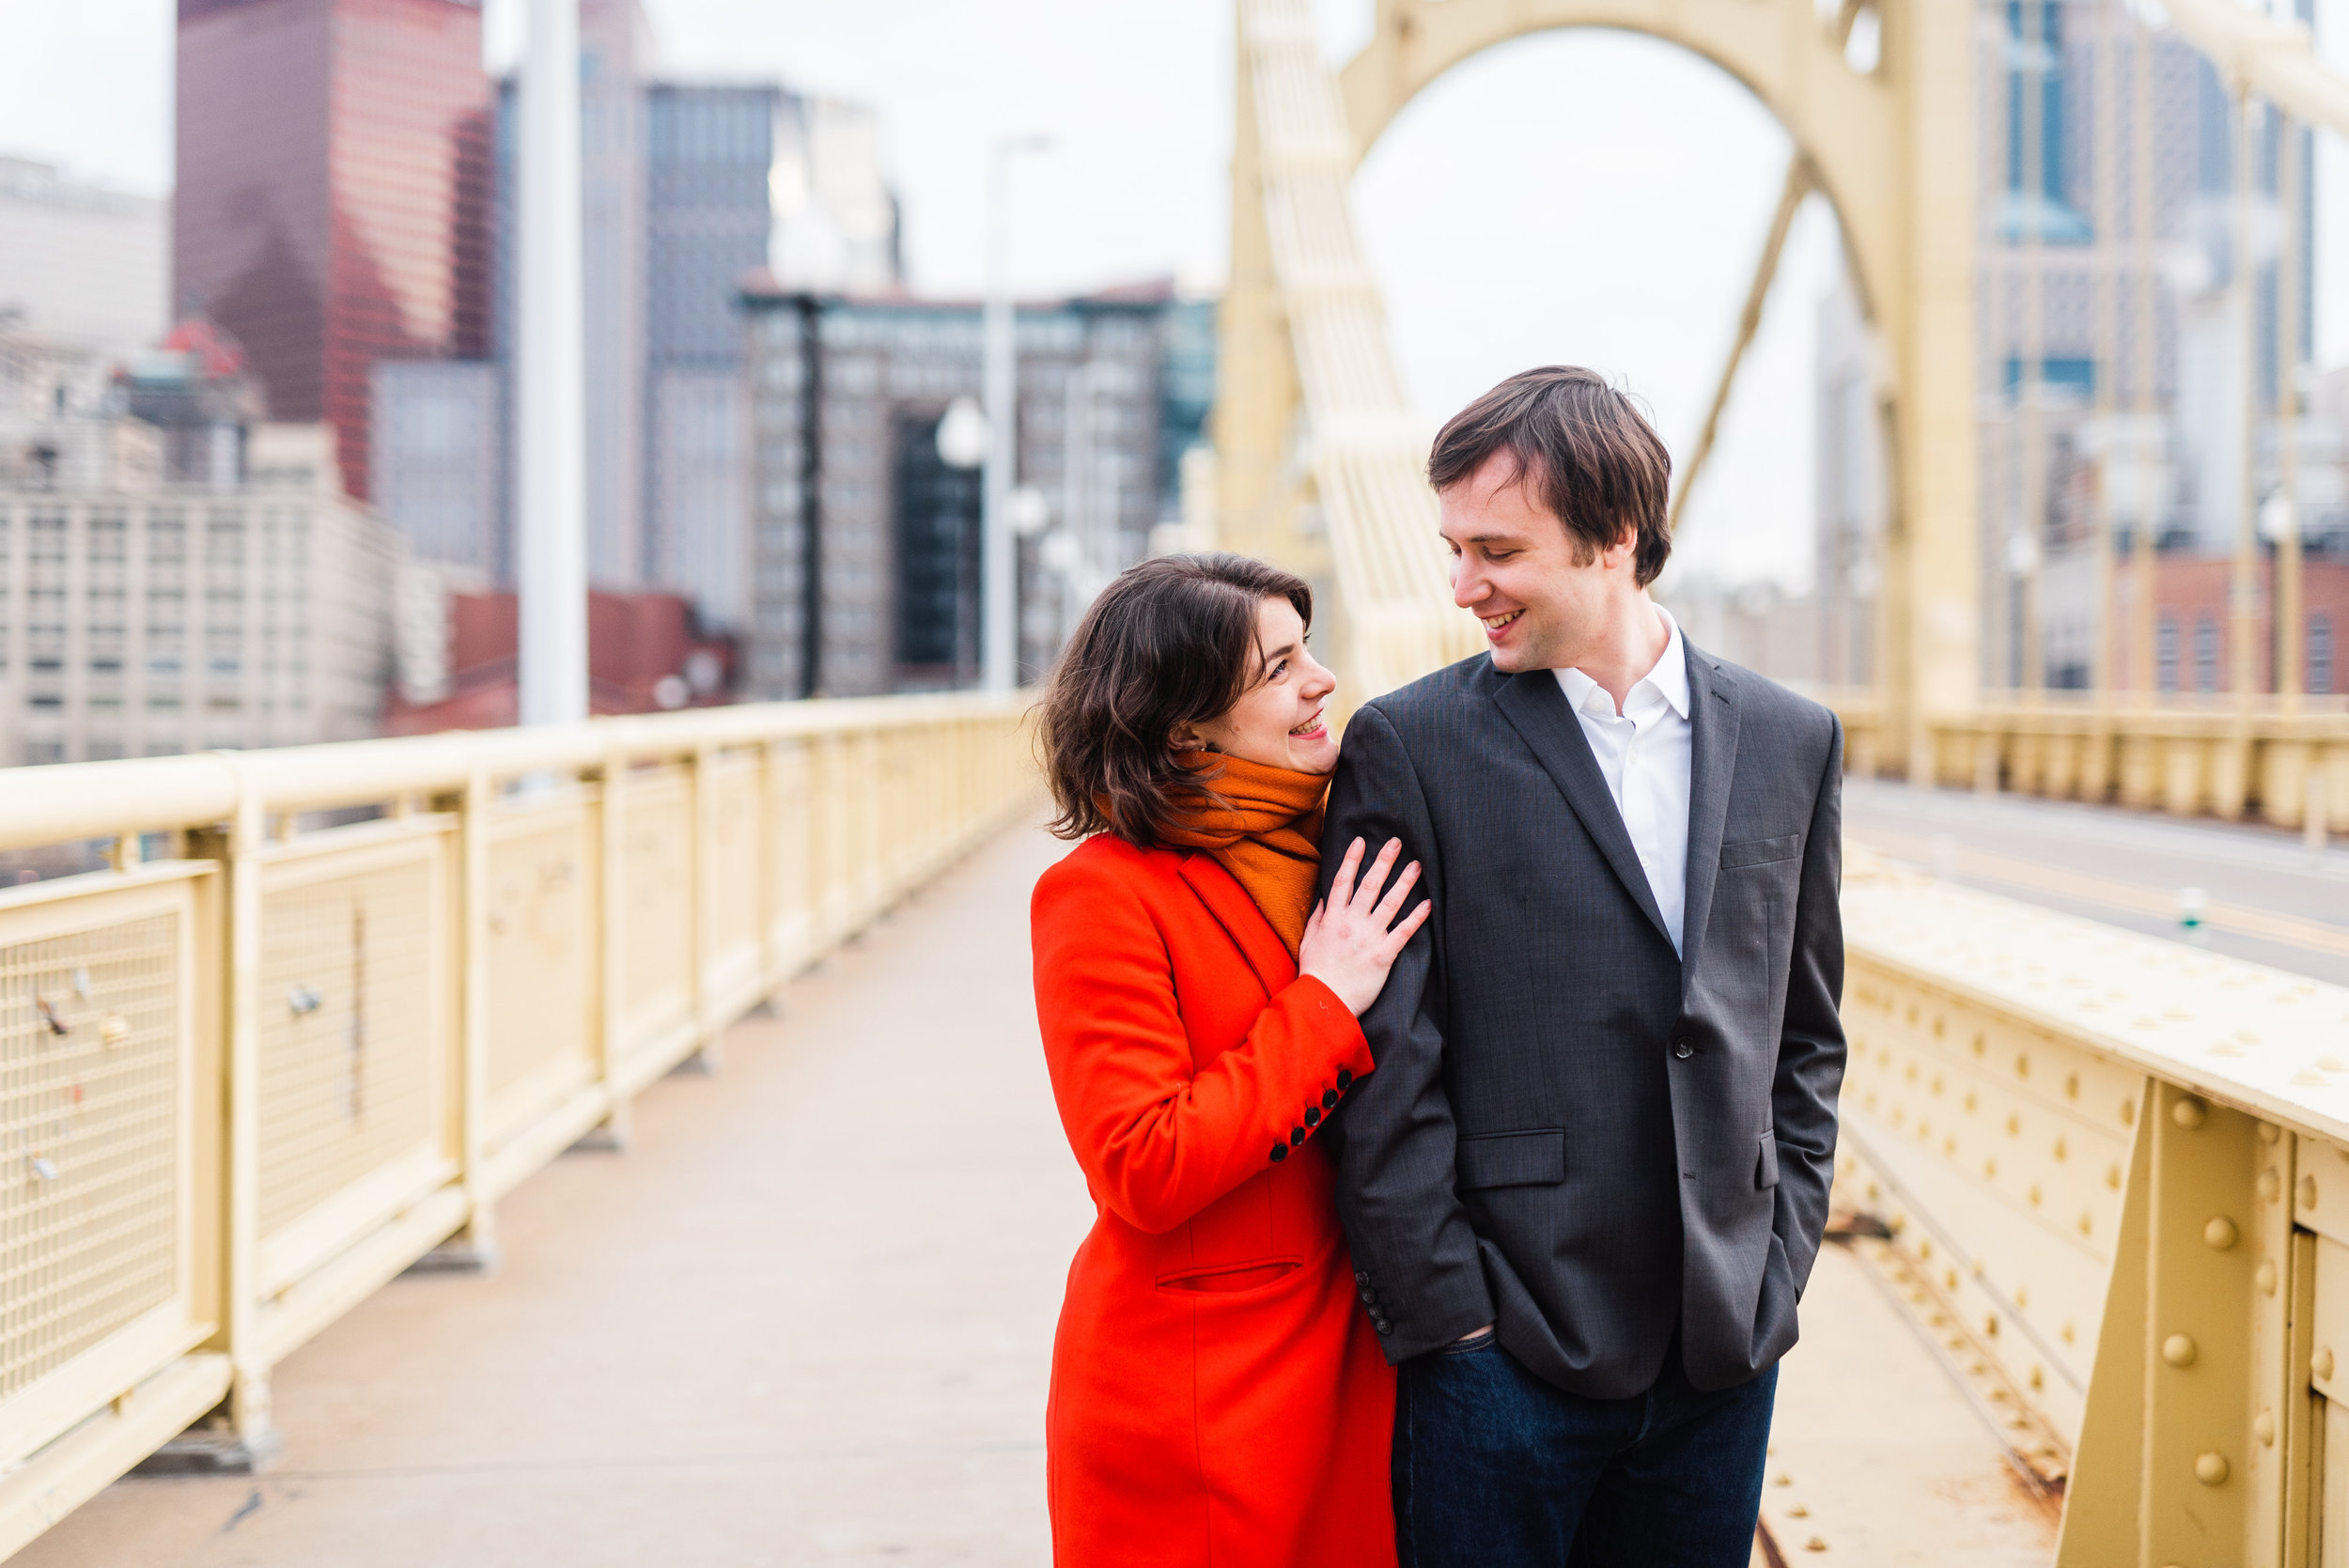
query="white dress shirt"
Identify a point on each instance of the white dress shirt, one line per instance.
(1643, 751)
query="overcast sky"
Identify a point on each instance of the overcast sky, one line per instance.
(1589, 197)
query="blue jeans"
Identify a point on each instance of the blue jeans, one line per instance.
(1496, 1469)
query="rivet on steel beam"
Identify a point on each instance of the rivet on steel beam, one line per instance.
(1814, 1544)
(2271, 1185)
(2269, 1133)
(2308, 1192)
(2263, 1428)
(2219, 1234)
(2322, 1362)
(2265, 1276)
(2211, 1467)
(2022, 1066)
(2188, 1111)
(2179, 1350)
(2128, 1112)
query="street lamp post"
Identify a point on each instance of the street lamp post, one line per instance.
(998, 573)
(551, 442)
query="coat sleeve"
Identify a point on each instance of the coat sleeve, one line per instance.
(1810, 1048)
(1159, 1140)
(1398, 1144)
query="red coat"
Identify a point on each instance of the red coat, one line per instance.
(1218, 1397)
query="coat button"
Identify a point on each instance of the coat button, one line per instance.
(1329, 1099)
(1297, 1135)
(1279, 1153)
(1313, 1116)
(1682, 1049)
(1346, 1078)
(1361, 1276)
(1382, 1325)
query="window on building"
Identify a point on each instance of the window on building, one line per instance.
(938, 559)
(2205, 653)
(2321, 675)
(2166, 654)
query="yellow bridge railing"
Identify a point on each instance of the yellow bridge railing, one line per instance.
(250, 1079)
(2116, 1174)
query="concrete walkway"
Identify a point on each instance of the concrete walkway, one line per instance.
(805, 1319)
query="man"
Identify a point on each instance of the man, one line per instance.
(1586, 1185)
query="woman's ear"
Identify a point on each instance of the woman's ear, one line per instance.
(1186, 740)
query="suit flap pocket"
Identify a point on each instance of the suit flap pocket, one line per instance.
(1755, 851)
(1766, 1172)
(1513, 1159)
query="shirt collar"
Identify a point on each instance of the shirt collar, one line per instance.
(1668, 678)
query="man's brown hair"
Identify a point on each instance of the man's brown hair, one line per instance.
(1591, 461)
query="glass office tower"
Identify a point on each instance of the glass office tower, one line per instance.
(331, 209)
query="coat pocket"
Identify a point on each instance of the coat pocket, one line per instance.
(1759, 851)
(1537, 1158)
(1766, 1171)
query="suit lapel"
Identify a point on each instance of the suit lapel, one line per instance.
(1532, 702)
(1253, 935)
(1712, 766)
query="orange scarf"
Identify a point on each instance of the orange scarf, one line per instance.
(1267, 833)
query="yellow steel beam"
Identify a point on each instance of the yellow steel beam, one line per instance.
(1801, 180)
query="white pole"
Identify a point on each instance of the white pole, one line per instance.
(551, 442)
(999, 587)
(999, 574)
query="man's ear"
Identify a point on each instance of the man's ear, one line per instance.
(1624, 548)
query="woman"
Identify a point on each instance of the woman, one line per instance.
(1219, 1396)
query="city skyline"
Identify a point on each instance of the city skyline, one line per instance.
(1648, 147)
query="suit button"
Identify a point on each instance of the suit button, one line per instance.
(1313, 1116)
(1361, 1276)
(1329, 1099)
(1346, 1078)
(1279, 1153)
(1682, 1049)
(1297, 1135)
(1382, 1325)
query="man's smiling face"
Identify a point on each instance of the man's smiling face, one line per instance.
(1514, 567)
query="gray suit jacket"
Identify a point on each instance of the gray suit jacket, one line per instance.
(1572, 1133)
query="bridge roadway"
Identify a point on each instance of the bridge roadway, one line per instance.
(804, 1318)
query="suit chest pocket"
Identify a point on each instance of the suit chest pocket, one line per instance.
(1761, 851)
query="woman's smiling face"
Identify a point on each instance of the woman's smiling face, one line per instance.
(1280, 720)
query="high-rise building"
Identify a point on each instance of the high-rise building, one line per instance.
(2109, 367)
(243, 602)
(710, 157)
(863, 558)
(330, 204)
(687, 188)
(80, 265)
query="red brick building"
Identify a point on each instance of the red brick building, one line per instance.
(2191, 652)
(644, 654)
(333, 194)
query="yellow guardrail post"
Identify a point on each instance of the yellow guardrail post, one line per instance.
(701, 908)
(475, 1244)
(251, 1429)
(610, 926)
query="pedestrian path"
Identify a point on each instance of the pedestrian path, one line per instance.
(805, 1319)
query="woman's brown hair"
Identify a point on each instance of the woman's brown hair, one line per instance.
(1172, 641)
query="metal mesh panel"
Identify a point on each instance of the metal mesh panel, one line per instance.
(657, 890)
(348, 1036)
(539, 948)
(89, 1141)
